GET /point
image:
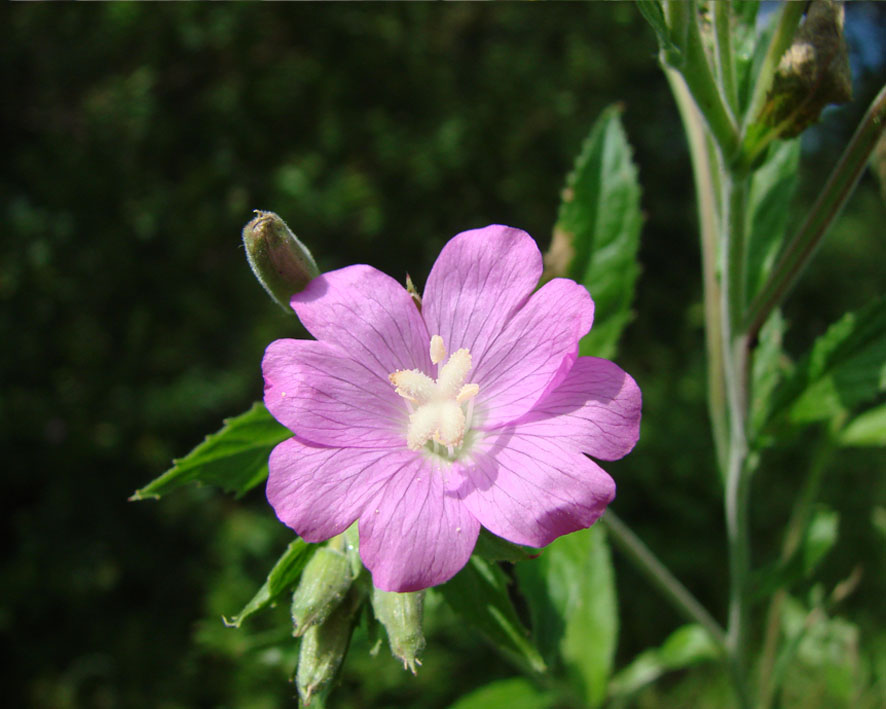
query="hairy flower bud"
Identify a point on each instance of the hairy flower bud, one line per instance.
(401, 614)
(813, 73)
(282, 264)
(324, 646)
(324, 583)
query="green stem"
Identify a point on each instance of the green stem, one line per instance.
(736, 365)
(679, 596)
(800, 249)
(696, 71)
(702, 156)
(725, 55)
(793, 537)
(791, 13)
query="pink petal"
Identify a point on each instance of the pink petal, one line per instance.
(530, 490)
(329, 399)
(416, 534)
(532, 354)
(596, 409)
(369, 316)
(320, 492)
(480, 278)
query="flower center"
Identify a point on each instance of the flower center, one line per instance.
(440, 409)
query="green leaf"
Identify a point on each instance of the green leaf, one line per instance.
(570, 590)
(744, 41)
(493, 548)
(867, 429)
(769, 200)
(768, 370)
(282, 578)
(846, 367)
(479, 594)
(654, 15)
(234, 459)
(514, 693)
(686, 646)
(821, 535)
(598, 228)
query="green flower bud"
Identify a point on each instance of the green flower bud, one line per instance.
(324, 582)
(401, 614)
(282, 264)
(813, 73)
(324, 646)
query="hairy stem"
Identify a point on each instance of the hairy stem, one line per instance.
(701, 154)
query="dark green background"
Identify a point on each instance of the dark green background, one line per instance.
(136, 142)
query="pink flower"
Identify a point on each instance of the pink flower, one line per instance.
(425, 425)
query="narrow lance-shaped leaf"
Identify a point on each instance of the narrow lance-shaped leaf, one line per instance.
(597, 232)
(479, 595)
(686, 646)
(234, 459)
(846, 367)
(769, 200)
(570, 589)
(281, 579)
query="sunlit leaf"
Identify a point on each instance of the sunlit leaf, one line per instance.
(598, 228)
(686, 646)
(866, 429)
(514, 693)
(479, 595)
(493, 548)
(846, 367)
(234, 459)
(821, 535)
(281, 579)
(570, 589)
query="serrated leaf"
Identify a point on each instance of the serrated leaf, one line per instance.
(867, 429)
(514, 693)
(769, 199)
(846, 367)
(570, 590)
(479, 595)
(686, 646)
(281, 579)
(598, 228)
(234, 459)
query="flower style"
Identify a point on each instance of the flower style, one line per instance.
(422, 446)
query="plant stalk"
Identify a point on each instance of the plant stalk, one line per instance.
(801, 247)
(679, 596)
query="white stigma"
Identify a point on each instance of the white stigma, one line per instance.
(436, 405)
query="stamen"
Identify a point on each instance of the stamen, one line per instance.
(438, 349)
(437, 407)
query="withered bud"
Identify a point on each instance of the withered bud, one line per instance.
(813, 73)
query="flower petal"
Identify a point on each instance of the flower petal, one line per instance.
(596, 409)
(530, 490)
(330, 399)
(532, 354)
(320, 492)
(416, 534)
(480, 278)
(369, 316)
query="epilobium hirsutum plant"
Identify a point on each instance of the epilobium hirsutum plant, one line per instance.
(441, 444)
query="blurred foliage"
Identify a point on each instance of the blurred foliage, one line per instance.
(136, 142)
